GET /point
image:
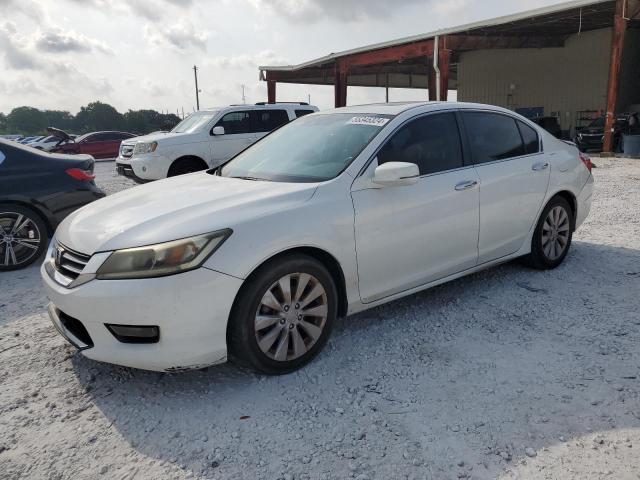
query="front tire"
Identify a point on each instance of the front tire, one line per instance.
(283, 315)
(186, 165)
(23, 237)
(553, 234)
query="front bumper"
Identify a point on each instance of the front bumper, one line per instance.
(143, 168)
(587, 143)
(191, 309)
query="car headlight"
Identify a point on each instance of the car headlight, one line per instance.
(145, 147)
(162, 259)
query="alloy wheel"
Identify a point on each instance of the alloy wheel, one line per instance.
(19, 239)
(291, 316)
(555, 233)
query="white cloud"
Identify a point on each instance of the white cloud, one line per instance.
(342, 10)
(265, 57)
(181, 36)
(57, 40)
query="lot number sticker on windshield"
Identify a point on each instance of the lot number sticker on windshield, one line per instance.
(364, 120)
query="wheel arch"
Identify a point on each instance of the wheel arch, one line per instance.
(322, 256)
(44, 216)
(570, 198)
(183, 158)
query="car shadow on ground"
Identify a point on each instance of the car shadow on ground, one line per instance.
(457, 380)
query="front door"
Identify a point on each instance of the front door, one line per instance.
(408, 236)
(514, 177)
(238, 135)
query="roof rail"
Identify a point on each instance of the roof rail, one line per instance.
(275, 103)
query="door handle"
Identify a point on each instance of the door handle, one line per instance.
(537, 167)
(466, 185)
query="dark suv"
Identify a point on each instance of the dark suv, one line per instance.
(591, 137)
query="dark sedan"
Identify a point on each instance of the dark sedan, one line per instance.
(37, 191)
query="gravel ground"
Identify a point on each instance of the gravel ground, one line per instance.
(510, 373)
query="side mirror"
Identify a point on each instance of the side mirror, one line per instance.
(396, 174)
(217, 130)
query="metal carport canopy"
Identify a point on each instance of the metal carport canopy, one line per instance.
(407, 62)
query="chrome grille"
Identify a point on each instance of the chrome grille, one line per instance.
(126, 151)
(68, 262)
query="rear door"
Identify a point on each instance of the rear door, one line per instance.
(514, 177)
(265, 121)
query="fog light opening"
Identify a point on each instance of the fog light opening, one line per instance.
(135, 333)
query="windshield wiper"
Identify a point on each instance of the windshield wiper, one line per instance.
(254, 179)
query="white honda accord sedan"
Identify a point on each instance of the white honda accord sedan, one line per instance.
(331, 214)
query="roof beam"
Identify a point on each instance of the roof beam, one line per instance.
(397, 53)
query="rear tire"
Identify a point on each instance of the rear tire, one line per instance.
(23, 237)
(552, 237)
(283, 315)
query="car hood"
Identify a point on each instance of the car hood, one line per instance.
(175, 208)
(164, 137)
(592, 131)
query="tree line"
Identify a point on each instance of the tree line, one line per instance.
(95, 116)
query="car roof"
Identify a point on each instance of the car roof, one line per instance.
(261, 106)
(396, 108)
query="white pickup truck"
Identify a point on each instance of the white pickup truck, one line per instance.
(205, 139)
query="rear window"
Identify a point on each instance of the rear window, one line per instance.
(268, 120)
(302, 113)
(530, 138)
(493, 136)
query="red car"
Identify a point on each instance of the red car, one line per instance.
(96, 144)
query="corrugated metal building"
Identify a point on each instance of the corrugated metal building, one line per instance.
(574, 60)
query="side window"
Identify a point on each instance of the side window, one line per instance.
(431, 142)
(92, 138)
(268, 120)
(492, 136)
(302, 113)
(530, 138)
(235, 122)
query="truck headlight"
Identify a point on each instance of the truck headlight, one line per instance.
(145, 147)
(162, 259)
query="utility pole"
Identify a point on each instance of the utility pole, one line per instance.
(195, 75)
(244, 100)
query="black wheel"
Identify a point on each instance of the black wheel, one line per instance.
(23, 237)
(186, 165)
(283, 315)
(552, 238)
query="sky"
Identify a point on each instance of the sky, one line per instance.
(135, 54)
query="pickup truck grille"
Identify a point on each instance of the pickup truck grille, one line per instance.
(126, 151)
(68, 262)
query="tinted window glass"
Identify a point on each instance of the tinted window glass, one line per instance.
(530, 138)
(267, 120)
(431, 142)
(492, 136)
(235, 122)
(302, 113)
(90, 138)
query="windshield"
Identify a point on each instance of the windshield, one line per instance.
(314, 148)
(193, 122)
(597, 123)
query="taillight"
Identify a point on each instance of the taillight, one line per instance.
(79, 174)
(586, 159)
